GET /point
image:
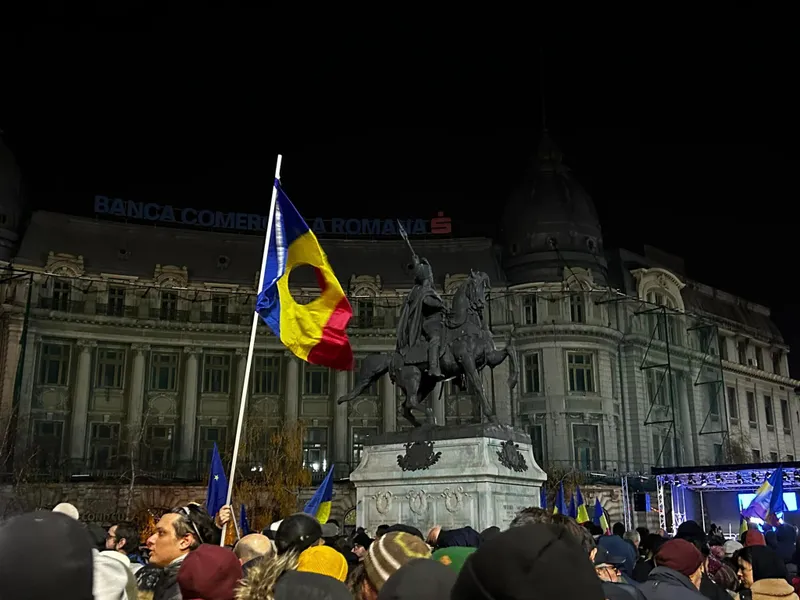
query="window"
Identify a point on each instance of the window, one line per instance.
(586, 446)
(315, 450)
(581, 372)
(760, 358)
(756, 456)
(219, 308)
(723, 348)
(157, 451)
(733, 407)
(217, 373)
(576, 308)
(776, 363)
(267, 374)
(317, 381)
(787, 423)
(104, 445)
(657, 391)
(553, 307)
(713, 400)
(538, 443)
(163, 371)
(773, 457)
(372, 390)
(719, 456)
(208, 437)
(752, 415)
(531, 375)
(110, 366)
(54, 364)
(116, 302)
(662, 450)
(663, 323)
(48, 437)
(741, 350)
(366, 313)
(169, 306)
(529, 309)
(61, 295)
(790, 458)
(769, 415)
(359, 435)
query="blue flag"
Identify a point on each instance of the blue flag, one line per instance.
(217, 485)
(320, 504)
(542, 498)
(768, 501)
(560, 507)
(244, 525)
(573, 510)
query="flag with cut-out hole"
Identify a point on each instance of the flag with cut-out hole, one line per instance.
(315, 332)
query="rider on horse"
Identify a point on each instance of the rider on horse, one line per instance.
(422, 317)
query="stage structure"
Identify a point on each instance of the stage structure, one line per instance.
(709, 484)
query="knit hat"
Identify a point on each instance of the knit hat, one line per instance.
(754, 537)
(387, 554)
(679, 555)
(69, 569)
(362, 539)
(527, 563)
(297, 532)
(209, 573)
(309, 586)
(65, 508)
(323, 560)
(730, 547)
(454, 557)
(420, 579)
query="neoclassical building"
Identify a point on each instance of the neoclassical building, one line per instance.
(122, 340)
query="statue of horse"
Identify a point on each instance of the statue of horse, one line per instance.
(467, 347)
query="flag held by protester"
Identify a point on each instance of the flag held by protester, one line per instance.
(768, 501)
(244, 524)
(573, 511)
(560, 507)
(315, 332)
(581, 515)
(600, 518)
(319, 505)
(217, 484)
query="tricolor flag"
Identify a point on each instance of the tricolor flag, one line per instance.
(320, 504)
(317, 331)
(560, 507)
(582, 515)
(600, 517)
(743, 525)
(573, 512)
(768, 501)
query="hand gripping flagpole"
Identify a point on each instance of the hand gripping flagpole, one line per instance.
(249, 363)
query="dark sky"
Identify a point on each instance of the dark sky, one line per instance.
(684, 133)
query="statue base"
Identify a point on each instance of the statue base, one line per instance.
(477, 475)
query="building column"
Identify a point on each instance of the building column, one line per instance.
(292, 382)
(241, 365)
(80, 401)
(686, 423)
(136, 401)
(23, 424)
(388, 397)
(438, 405)
(189, 417)
(340, 422)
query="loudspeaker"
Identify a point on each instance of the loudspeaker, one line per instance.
(641, 502)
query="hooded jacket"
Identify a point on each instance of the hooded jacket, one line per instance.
(113, 578)
(667, 584)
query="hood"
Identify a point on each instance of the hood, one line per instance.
(465, 537)
(670, 577)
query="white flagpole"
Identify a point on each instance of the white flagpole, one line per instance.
(249, 363)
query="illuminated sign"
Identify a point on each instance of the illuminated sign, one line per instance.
(164, 213)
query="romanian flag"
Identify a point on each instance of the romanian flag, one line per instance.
(320, 504)
(317, 331)
(582, 515)
(600, 517)
(560, 507)
(768, 501)
(573, 512)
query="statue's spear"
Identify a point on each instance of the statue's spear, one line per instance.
(404, 235)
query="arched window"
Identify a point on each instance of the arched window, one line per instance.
(663, 322)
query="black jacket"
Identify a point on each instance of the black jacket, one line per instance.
(667, 584)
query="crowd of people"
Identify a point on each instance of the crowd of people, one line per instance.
(48, 555)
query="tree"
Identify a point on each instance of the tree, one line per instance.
(556, 475)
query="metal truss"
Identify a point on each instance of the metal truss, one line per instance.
(709, 336)
(627, 512)
(662, 507)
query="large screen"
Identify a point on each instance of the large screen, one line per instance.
(789, 499)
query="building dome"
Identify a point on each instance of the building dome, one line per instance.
(10, 203)
(550, 224)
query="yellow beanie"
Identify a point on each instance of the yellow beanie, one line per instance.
(323, 560)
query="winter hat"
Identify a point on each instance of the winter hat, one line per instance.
(528, 563)
(297, 532)
(309, 586)
(679, 555)
(69, 569)
(454, 557)
(489, 533)
(209, 573)
(387, 554)
(323, 560)
(362, 539)
(420, 579)
(65, 508)
(754, 537)
(406, 529)
(730, 547)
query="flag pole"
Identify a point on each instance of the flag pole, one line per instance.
(249, 363)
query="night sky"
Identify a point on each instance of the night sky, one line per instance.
(686, 137)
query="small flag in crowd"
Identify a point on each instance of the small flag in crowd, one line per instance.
(582, 515)
(320, 504)
(560, 507)
(217, 484)
(573, 511)
(542, 498)
(244, 525)
(600, 517)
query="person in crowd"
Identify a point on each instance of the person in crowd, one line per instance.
(420, 579)
(401, 527)
(634, 538)
(489, 533)
(381, 530)
(617, 546)
(753, 537)
(124, 538)
(296, 585)
(114, 578)
(731, 547)
(209, 573)
(384, 557)
(453, 557)
(323, 560)
(718, 569)
(650, 546)
(528, 561)
(763, 574)
(65, 508)
(614, 585)
(785, 542)
(465, 537)
(251, 549)
(361, 544)
(678, 572)
(45, 556)
(693, 533)
(532, 515)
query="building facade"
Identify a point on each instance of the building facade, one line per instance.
(122, 342)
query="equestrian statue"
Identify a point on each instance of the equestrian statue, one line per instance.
(436, 344)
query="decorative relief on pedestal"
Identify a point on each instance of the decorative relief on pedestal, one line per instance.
(511, 457)
(419, 456)
(383, 501)
(454, 500)
(417, 501)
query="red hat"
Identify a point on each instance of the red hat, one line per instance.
(754, 537)
(209, 573)
(679, 555)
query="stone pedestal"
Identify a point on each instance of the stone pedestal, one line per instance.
(477, 475)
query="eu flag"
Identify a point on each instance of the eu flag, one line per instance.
(320, 504)
(217, 485)
(244, 524)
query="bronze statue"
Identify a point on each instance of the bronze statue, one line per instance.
(434, 344)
